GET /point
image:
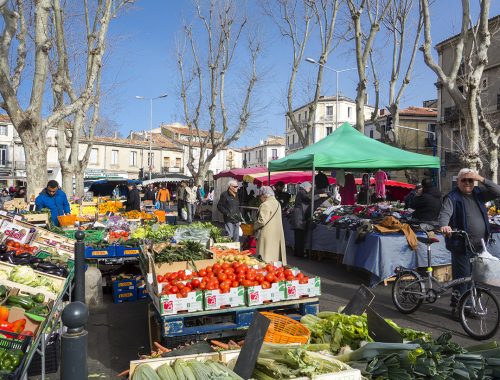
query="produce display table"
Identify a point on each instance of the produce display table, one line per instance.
(179, 328)
(379, 254)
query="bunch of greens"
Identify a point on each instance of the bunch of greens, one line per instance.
(439, 359)
(283, 362)
(215, 232)
(154, 232)
(187, 251)
(341, 330)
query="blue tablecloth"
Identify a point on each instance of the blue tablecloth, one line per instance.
(379, 254)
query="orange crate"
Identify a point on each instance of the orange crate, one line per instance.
(160, 214)
(247, 229)
(66, 220)
(285, 330)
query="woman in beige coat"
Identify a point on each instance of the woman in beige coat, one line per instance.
(269, 228)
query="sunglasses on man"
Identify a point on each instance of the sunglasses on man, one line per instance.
(467, 180)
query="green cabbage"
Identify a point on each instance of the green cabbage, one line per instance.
(23, 274)
(4, 275)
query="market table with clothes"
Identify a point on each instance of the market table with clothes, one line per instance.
(378, 253)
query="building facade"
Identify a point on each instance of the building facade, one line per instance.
(271, 149)
(417, 132)
(326, 120)
(449, 118)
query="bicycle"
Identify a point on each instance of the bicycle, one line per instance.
(478, 308)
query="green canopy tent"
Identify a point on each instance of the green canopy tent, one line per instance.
(347, 148)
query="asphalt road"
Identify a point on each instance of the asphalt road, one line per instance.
(118, 333)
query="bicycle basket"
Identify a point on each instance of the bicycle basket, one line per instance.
(487, 270)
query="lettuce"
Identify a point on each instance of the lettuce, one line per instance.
(23, 274)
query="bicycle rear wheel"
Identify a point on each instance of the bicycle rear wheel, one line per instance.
(407, 292)
(479, 313)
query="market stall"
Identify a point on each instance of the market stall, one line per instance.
(36, 273)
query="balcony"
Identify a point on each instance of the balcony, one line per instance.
(451, 114)
(452, 157)
(274, 158)
(172, 169)
(5, 163)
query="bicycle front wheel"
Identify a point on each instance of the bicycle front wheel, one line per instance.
(479, 313)
(407, 292)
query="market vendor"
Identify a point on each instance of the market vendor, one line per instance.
(133, 199)
(426, 202)
(463, 209)
(229, 206)
(269, 228)
(281, 195)
(53, 198)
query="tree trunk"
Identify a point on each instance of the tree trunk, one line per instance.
(67, 180)
(35, 152)
(471, 156)
(493, 164)
(79, 175)
(360, 106)
(394, 110)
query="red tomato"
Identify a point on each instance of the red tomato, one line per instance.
(259, 277)
(195, 283)
(299, 275)
(288, 272)
(270, 268)
(235, 265)
(225, 265)
(173, 290)
(289, 278)
(203, 286)
(250, 276)
(246, 283)
(280, 276)
(184, 294)
(228, 270)
(265, 285)
(235, 284)
(208, 269)
(241, 276)
(222, 276)
(216, 266)
(244, 267)
(231, 277)
(304, 280)
(159, 278)
(270, 277)
(202, 273)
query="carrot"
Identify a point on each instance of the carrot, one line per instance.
(161, 348)
(124, 373)
(220, 344)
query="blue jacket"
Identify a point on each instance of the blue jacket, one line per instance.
(57, 204)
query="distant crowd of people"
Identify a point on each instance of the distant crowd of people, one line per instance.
(11, 193)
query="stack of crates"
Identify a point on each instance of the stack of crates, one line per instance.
(128, 288)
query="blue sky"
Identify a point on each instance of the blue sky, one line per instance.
(141, 61)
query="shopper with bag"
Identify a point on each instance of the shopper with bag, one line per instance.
(268, 228)
(300, 218)
(163, 197)
(191, 197)
(229, 206)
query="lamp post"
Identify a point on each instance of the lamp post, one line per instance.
(337, 72)
(151, 127)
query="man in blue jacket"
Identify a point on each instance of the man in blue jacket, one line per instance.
(53, 198)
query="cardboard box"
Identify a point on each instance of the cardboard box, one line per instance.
(255, 295)
(169, 303)
(214, 299)
(16, 313)
(294, 290)
(16, 231)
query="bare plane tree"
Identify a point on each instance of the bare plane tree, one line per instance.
(364, 37)
(462, 81)
(48, 42)
(296, 19)
(223, 30)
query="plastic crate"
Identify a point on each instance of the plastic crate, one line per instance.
(52, 354)
(99, 253)
(91, 236)
(124, 251)
(18, 344)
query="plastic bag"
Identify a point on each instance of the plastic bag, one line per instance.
(487, 270)
(157, 205)
(184, 214)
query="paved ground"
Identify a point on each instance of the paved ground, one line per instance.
(119, 332)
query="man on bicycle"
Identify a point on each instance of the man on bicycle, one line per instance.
(463, 209)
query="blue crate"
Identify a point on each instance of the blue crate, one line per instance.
(142, 293)
(125, 296)
(123, 285)
(99, 253)
(124, 251)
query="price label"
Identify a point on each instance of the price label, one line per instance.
(131, 252)
(100, 253)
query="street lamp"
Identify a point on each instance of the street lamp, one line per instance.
(310, 60)
(151, 127)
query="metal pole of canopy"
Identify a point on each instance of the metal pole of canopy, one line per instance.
(268, 177)
(312, 209)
